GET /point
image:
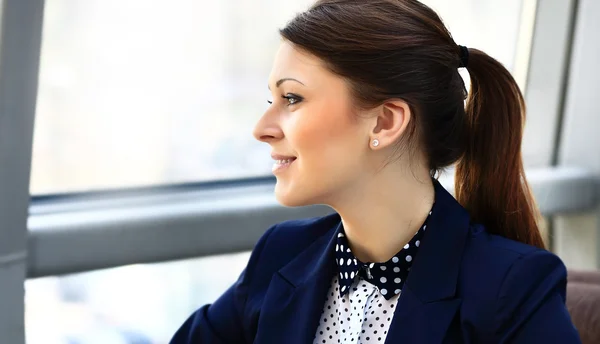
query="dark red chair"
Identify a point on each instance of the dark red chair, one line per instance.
(583, 303)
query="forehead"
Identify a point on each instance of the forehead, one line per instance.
(291, 62)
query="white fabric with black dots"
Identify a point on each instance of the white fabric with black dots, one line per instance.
(362, 297)
(361, 316)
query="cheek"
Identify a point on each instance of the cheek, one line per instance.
(327, 141)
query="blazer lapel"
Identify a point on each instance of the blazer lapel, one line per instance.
(296, 295)
(428, 302)
(421, 322)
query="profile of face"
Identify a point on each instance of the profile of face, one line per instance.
(319, 144)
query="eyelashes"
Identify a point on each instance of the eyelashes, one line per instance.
(291, 98)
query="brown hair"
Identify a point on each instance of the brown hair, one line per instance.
(401, 49)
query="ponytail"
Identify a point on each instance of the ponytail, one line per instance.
(490, 180)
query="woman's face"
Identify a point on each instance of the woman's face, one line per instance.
(318, 144)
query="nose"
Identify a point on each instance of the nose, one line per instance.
(268, 129)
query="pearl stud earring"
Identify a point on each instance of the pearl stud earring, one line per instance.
(375, 143)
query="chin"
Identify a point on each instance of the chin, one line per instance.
(290, 197)
(290, 200)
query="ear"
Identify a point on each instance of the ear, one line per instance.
(391, 122)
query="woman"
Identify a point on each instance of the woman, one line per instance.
(368, 106)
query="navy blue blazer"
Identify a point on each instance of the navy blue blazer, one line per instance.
(465, 286)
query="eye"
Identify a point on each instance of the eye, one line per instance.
(292, 98)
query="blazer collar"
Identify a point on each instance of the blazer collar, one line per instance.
(430, 290)
(434, 273)
(442, 246)
(294, 301)
(317, 260)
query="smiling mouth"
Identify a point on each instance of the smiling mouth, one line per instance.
(284, 161)
(281, 165)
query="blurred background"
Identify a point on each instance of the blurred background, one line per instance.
(144, 110)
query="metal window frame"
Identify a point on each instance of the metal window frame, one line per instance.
(579, 139)
(154, 226)
(20, 39)
(546, 79)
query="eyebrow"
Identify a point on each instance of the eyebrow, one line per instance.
(281, 81)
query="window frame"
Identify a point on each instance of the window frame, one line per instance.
(20, 39)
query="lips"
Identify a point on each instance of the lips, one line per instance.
(282, 162)
(285, 161)
(280, 157)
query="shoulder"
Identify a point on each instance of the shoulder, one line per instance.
(497, 258)
(503, 280)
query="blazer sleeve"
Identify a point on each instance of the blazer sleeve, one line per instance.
(224, 320)
(531, 302)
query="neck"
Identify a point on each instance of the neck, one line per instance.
(383, 214)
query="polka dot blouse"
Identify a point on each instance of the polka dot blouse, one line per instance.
(362, 297)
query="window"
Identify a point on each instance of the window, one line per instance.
(135, 93)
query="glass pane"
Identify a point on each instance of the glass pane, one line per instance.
(138, 304)
(492, 26)
(136, 92)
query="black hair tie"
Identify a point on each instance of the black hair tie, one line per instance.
(464, 56)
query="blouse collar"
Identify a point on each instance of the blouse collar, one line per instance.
(389, 276)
